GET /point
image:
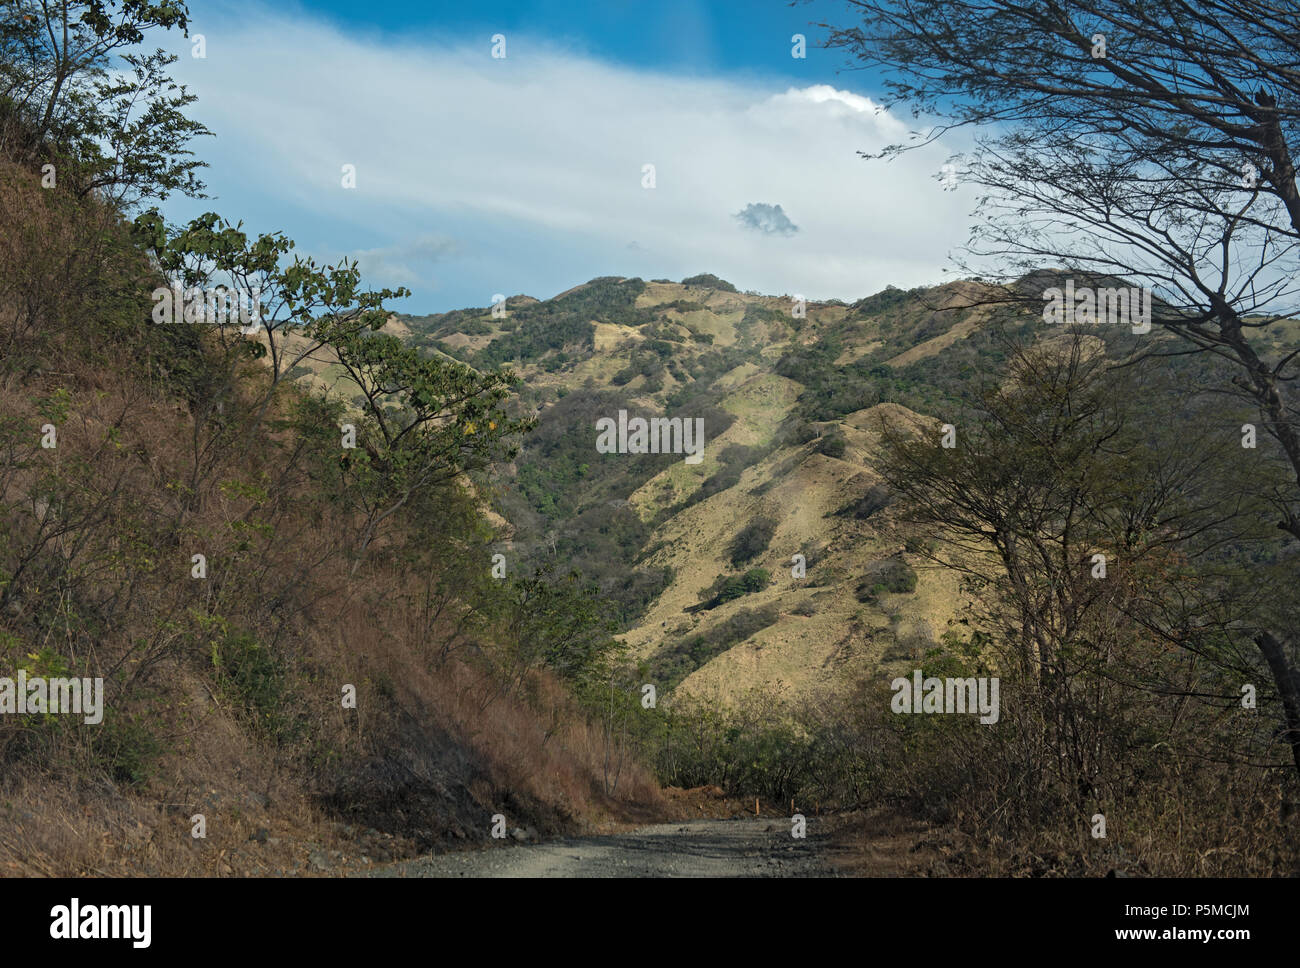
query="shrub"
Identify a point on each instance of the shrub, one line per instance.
(801, 431)
(893, 575)
(675, 664)
(832, 445)
(128, 745)
(707, 280)
(729, 587)
(752, 540)
(876, 499)
(253, 680)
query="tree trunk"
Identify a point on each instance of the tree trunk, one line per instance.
(1288, 687)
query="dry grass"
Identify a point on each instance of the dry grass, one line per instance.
(425, 759)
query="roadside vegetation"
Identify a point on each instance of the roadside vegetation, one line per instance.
(288, 595)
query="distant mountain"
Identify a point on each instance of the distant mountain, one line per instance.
(698, 559)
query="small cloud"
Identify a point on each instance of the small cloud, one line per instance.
(405, 264)
(768, 219)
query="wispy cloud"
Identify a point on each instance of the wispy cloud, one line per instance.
(534, 164)
(409, 264)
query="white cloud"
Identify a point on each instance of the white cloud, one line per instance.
(408, 264)
(765, 218)
(534, 164)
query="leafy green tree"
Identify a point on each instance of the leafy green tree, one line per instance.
(311, 302)
(290, 313)
(425, 420)
(557, 622)
(730, 587)
(832, 445)
(126, 153)
(707, 280)
(56, 60)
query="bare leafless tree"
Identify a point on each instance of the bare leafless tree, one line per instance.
(1152, 142)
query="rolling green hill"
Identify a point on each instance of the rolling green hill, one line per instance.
(791, 403)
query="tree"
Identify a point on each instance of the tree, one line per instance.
(125, 156)
(1152, 142)
(54, 79)
(557, 622)
(425, 420)
(255, 307)
(751, 540)
(1094, 533)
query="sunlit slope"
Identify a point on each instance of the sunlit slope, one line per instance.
(792, 396)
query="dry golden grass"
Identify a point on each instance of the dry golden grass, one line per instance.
(425, 759)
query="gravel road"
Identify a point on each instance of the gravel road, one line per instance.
(751, 847)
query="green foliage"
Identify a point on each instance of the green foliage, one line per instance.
(560, 472)
(643, 363)
(428, 420)
(875, 499)
(142, 157)
(121, 133)
(128, 746)
(566, 321)
(800, 431)
(728, 587)
(832, 445)
(321, 304)
(754, 749)
(679, 305)
(254, 680)
(733, 461)
(674, 663)
(558, 622)
(707, 280)
(752, 540)
(893, 576)
(754, 313)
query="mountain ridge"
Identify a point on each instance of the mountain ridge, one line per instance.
(665, 348)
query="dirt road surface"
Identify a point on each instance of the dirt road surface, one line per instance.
(752, 847)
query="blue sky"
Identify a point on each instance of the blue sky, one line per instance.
(477, 175)
(681, 36)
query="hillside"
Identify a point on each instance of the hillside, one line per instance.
(792, 405)
(648, 577)
(281, 693)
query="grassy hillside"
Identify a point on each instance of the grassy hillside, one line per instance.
(360, 584)
(770, 591)
(228, 684)
(792, 402)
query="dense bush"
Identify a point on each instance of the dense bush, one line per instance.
(832, 445)
(707, 280)
(728, 587)
(892, 575)
(875, 499)
(752, 540)
(673, 664)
